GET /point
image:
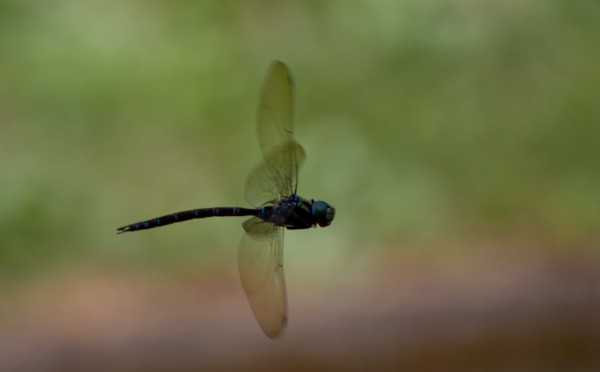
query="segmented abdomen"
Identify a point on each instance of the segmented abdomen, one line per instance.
(188, 215)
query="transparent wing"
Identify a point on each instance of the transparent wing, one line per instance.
(275, 127)
(261, 270)
(277, 177)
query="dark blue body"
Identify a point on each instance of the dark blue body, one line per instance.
(293, 213)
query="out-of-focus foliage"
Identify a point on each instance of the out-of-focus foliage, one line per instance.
(422, 121)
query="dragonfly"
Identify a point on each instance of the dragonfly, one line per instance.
(271, 188)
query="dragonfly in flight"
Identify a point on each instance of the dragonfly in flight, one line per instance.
(272, 189)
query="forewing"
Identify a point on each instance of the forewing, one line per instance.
(277, 177)
(275, 127)
(261, 270)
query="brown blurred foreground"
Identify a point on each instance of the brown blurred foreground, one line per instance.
(522, 308)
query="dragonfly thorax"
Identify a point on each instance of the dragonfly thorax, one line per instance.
(297, 213)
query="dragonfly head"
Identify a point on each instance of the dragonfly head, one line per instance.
(323, 213)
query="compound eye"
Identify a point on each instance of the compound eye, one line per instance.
(330, 214)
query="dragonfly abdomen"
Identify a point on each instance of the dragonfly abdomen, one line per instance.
(188, 215)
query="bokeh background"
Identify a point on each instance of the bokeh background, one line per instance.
(458, 140)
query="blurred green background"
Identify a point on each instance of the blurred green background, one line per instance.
(458, 140)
